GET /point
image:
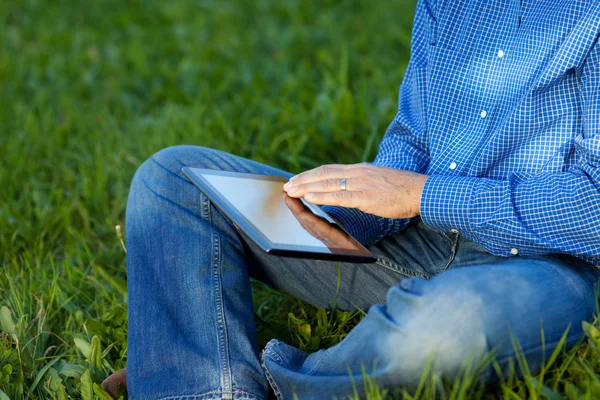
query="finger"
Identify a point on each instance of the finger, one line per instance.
(313, 225)
(325, 172)
(343, 199)
(306, 218)
(325, 186)
(293, 204)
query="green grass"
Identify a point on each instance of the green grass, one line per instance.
(89, 90)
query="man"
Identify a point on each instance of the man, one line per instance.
(482, 206)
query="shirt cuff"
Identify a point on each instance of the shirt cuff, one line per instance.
(446, 202)
(366, 228)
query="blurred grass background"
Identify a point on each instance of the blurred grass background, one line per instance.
(88, 90)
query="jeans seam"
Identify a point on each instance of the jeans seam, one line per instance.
(268, 374)
(213, 395)
(394, 266)
(453, 245)
(204, 208)
(226, 378)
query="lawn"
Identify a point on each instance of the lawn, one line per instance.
(89, 90)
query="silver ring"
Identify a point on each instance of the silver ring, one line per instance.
(343, 182)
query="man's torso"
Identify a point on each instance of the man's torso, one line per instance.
(504, 85)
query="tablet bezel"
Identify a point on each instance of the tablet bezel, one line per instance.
(251, 231)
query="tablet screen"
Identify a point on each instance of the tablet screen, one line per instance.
(262, 204)
(258, 205)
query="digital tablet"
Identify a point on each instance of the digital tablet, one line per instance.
(281, 225)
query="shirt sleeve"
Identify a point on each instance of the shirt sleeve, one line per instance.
(403, 146)
(544, 213)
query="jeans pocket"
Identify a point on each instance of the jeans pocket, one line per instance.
(417, 251)
(447, 246)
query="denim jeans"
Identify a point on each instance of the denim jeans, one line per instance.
(430, 296)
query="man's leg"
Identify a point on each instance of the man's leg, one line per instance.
(191, 328)
(453, 318)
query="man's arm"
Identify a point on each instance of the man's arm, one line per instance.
(545, 213)
(403, 146)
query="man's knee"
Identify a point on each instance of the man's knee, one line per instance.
(174, 158)
(169, 159)
(159, 179)
(166, 164)
(437, 325)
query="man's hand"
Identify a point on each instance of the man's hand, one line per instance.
(332, 237)
(382, 191)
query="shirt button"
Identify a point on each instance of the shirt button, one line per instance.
(452, 165)
(483, 114)
(500, 53)
(514, 251)
(454, 230)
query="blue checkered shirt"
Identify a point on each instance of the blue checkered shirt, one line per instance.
(500, 106)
